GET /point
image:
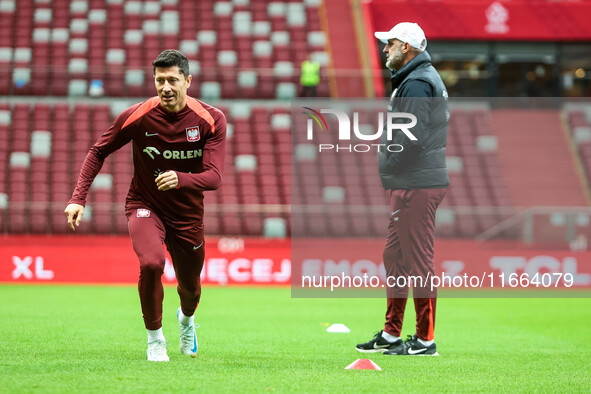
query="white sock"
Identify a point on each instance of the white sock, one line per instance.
(425, 343)
(155, 335)
(389, 337)
(186, 320)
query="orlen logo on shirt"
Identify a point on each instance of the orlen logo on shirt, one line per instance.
(173, 154)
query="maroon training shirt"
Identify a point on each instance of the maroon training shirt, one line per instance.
(190, 142)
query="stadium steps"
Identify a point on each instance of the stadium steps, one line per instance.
(538, 170)
(580, 140)
(343, 48)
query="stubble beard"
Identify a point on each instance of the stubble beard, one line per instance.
(393, 62)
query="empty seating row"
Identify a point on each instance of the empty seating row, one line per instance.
(237, 50)
(268, 172)
(43, 146)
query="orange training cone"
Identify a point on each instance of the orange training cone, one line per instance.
(363, 363)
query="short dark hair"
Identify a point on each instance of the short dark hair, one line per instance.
(171, 58)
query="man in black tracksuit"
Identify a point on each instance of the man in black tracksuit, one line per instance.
(416, 180)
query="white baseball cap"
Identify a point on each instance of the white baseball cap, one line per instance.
(405, 32)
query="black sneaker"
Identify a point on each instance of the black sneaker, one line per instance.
(378, 345)
(412, 347)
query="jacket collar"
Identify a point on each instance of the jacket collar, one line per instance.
(399, 75)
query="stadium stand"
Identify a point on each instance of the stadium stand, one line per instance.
(55, 53)
(44, 145)
(61, 48)
(549, 143)
(258, 173)
(75, 43)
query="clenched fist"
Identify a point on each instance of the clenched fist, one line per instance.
(167, 180)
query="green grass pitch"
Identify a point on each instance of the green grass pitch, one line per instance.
(91, 339)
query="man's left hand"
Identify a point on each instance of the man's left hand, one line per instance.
(167, 180)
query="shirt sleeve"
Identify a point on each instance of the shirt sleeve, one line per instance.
(113, 139)
(213, 161)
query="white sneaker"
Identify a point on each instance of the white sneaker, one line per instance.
(157, 351)
(188, 337)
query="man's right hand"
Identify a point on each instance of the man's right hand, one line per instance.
(74, 212)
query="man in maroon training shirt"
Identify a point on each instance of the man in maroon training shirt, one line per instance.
(178, 153)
